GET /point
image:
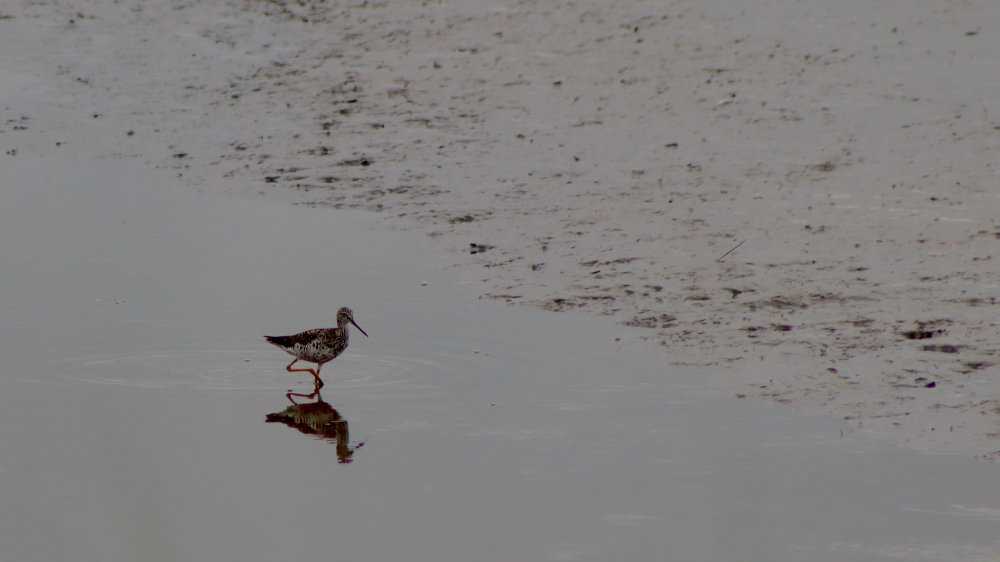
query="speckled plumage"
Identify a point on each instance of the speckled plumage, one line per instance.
(317, 346)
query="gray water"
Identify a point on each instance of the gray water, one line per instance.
(135, 386)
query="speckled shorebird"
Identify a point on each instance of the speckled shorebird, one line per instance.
(317, 346)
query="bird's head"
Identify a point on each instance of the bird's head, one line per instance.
(346, 316)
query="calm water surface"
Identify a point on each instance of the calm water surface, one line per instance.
(135, 388)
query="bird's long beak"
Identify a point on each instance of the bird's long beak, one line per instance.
(359, 327)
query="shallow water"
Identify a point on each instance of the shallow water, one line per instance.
(135, 389)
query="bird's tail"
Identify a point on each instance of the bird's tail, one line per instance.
(280, 341)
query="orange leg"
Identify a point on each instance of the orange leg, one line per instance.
(315, 374)
(315, 394)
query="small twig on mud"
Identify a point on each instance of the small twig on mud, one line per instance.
(731, 250)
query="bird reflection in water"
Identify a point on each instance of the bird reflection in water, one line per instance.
(318, 418)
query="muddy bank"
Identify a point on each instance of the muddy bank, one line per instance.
(602, 158)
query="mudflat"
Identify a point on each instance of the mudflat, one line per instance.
(798, 196)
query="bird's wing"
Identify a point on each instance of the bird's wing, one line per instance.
(301, 338)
